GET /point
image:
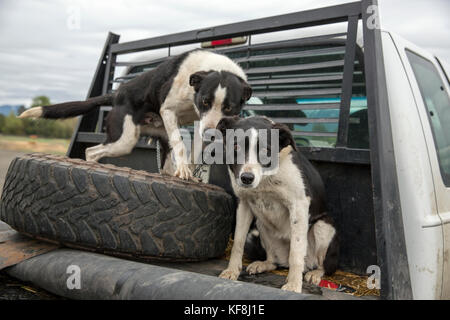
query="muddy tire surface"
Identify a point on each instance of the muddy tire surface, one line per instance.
(115, 210)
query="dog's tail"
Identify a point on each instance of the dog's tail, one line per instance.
(67, 109)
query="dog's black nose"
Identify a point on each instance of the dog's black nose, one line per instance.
(247, 177)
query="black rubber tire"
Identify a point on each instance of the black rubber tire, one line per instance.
(115, 210)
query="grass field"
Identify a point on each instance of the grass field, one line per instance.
(31, 144)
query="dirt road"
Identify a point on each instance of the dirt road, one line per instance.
(29, 144)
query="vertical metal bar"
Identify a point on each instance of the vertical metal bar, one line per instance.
(390, 238)
(249, 44)
(347, 81)
(107, 85)
(109, 72)
(88, 122)
(101, 116)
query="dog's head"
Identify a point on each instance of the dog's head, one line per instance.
(256, 143)
(218, 94)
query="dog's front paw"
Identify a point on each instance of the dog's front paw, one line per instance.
(293, 286)
(183, 172)
(260, 267)
(314, 276)
(229, 274)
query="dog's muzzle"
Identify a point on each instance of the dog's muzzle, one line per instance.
(247, 178)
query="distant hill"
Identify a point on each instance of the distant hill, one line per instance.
(7, 109)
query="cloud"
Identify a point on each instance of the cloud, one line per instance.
(42, 54)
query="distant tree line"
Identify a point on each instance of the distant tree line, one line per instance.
(41, 127)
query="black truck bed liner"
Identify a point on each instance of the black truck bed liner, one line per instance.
(106, 277)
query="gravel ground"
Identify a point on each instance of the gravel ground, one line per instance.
(10, 288)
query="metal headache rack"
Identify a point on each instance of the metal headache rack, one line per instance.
(279, 72)
(310, 84)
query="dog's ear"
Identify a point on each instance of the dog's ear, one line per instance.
(195, 80)
(226, 123)
(285, 136)
(247, 94)
(247, 90)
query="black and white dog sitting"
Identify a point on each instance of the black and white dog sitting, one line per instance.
(197, 85)
(288, 204)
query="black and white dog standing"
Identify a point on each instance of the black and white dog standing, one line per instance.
(288, 204)
(197, 85)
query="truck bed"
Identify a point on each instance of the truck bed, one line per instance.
(190, 280)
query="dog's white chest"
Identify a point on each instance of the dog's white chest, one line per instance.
(272, 212)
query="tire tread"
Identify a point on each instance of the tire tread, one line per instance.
(115, 210)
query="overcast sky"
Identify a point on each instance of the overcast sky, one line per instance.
(46, 50)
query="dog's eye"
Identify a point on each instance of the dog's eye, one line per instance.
(227, 109)
(205, 102)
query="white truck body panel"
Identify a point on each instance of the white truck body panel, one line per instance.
(425, 200)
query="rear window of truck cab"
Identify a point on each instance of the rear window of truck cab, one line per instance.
(437, 103)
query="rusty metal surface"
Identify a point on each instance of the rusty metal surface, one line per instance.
(15, 247)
